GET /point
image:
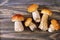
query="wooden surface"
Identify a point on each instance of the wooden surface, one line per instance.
(8, 33)
(11, 7)
(7, 30)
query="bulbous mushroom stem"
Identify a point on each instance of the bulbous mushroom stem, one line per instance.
(32, 26)
(36, 16)
(44, 25)
(18, 26)
(51, 28)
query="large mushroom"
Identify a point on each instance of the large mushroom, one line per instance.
(33, 9)
(54, 26)
(17, 18)
(30, 24)
(44, 21)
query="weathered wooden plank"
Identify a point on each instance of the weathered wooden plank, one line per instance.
(31, 35)
(7, 31)
(10, 7)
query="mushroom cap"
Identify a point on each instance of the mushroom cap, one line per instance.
(55, 24)
(17, 17)
(46, 11)
(32, 7)
(28, 21)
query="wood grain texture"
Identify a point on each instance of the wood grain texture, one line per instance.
(8, 33)
(11, 7)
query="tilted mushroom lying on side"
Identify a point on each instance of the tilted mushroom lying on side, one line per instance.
(29, 23)
(33, 9)
(54, 26)
(44, 21)
(17, 18)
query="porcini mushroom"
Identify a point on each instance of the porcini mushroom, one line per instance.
(17, 18)
(33, 9)
(54, 26)
(30, 24)
(44, 24)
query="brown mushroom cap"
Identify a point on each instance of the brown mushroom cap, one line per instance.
(46, 11)
(17, 17)
(55, 24)
(32, 7)
(28, 21)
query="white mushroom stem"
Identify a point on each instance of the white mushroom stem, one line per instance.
(44, 25)
(36, 16)
(32, 26)
(51, 28)
(18, 26)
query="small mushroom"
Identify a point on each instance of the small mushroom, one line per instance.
(33, 9)
(30, 24)
(44, 21)
(54, 26)
(17, 18)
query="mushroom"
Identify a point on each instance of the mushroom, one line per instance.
(54, 26)
(44, 21)
(33, 9)
(29, 23)
(17, 18)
